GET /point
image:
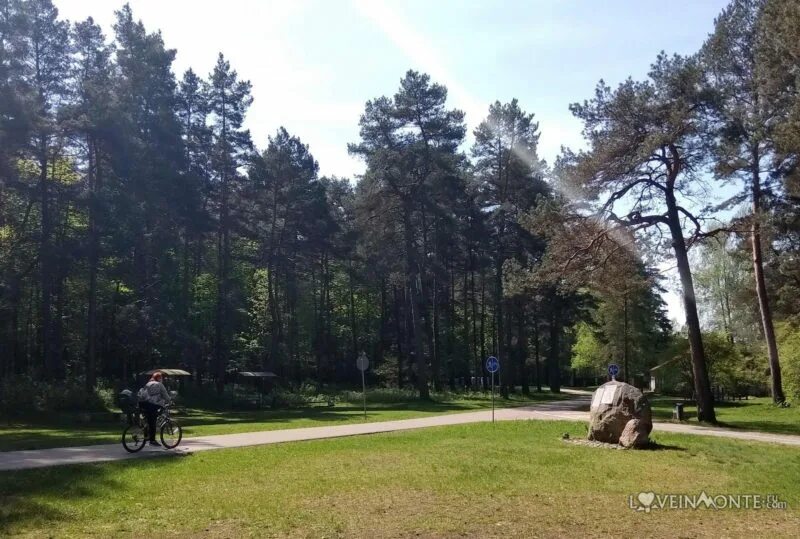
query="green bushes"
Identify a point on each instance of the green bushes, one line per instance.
(23, 395)
(737, 368)
(733, 368)
(788, 335)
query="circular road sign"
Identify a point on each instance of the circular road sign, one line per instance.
(613, 369)
(492, 364)
(362, 362)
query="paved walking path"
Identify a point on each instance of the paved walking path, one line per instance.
(569, 410)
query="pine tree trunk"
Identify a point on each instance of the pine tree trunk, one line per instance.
(46, 270)
(400, 335)
(702, 385)
(761, 289)
(483, 330)
(625, 360)
(91, 322)
(500, 339)
(554, 356)
(379, 355)
(352, 309)
(413, 282)
(222, 294)
(536, 356)
(435, 343)
(523, 351)
(468, 339)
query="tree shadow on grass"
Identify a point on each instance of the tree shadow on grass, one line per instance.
(655, 446)
(338, 413)
(22, 436)
(774, 427)
(29, 498)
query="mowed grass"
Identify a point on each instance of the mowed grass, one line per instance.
(44, 432)
(752, 414)
(510, 479)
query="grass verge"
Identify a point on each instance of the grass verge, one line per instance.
(511, 479)
(758, 414)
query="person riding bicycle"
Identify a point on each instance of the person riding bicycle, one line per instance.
(152, 398)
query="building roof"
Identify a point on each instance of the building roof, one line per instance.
(666, 363)
(258, 374)
(168, 372)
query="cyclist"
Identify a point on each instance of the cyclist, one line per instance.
(152, 397)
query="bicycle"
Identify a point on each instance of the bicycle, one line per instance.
(136, 434)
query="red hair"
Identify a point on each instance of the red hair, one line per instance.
(156, 376)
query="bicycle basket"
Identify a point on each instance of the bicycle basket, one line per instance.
(127, 401)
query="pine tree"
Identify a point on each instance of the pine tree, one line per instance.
(744, 149)
(148, 162)
(47, 71)
(228, 101)
(509, 177)
(410, 145)
(91, 119)
(644, 146)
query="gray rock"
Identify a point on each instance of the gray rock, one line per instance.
(635, 434)
(619, 408)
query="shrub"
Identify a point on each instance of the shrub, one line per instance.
(788, 336)
(206, 396)
(22, 395)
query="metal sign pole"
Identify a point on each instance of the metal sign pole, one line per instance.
(362, 362)
(364, 393)
(492, 365)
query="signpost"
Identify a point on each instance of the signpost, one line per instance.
(492, 365)
(363, 364)
(613, 371)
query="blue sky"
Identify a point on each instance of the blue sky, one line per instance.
(314, 63)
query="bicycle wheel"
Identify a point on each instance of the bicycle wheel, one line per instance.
(134, 438)
(171, 434)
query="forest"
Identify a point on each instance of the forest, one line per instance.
(141, 225)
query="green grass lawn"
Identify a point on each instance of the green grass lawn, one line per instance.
(511, 479)
(752, 414)
(43, 432)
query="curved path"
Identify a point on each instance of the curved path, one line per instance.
(568, 410)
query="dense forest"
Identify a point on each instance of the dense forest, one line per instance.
(142, 225)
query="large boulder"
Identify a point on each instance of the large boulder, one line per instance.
(620, 414)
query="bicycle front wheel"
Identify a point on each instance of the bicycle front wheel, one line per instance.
(171, 434)
(133, 439)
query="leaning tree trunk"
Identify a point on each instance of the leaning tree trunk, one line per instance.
(702, 386)
(761, 290)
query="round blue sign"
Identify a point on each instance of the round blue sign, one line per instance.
(492, 364)
(613, 369)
